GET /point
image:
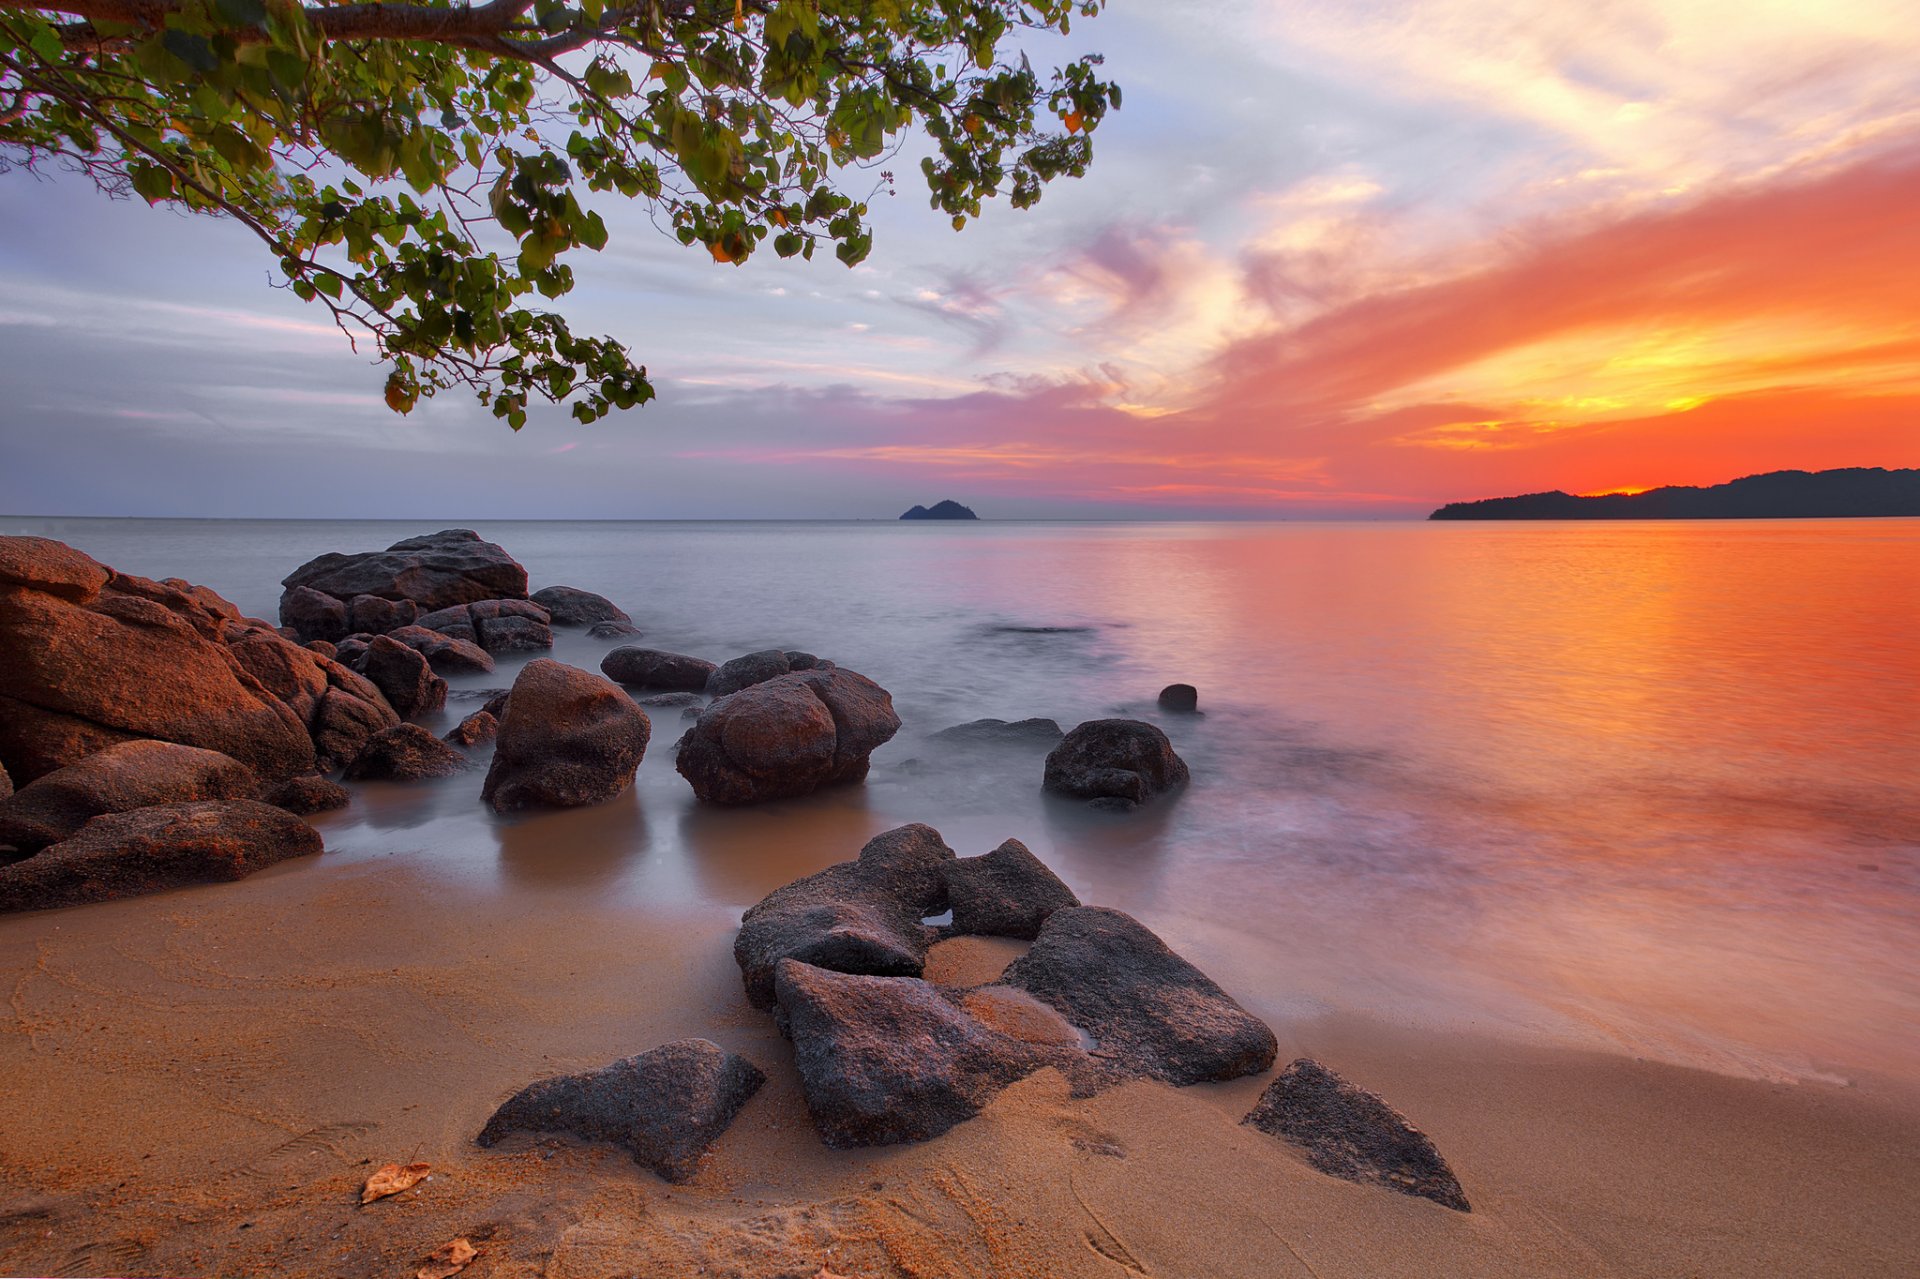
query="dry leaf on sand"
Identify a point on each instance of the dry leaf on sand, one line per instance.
(446, 1260)
(392, 1179)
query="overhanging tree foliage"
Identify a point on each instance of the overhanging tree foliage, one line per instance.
(415, 166)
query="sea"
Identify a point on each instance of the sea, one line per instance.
(1633, 787)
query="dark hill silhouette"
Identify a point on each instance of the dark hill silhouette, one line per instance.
(947, 510)
(1857, 491)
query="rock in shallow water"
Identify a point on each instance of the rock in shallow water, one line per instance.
(571, 606)
(498, 626)
(1182, 699)
(1127, 760)
(652, 668)
(1019, 731)
(665, 1107)
(305, 796)
(446, 654)
(474, 729)
(567, 738)
(1353, 1134)
(406, 753)
(1005, 893)
(787, 737)
(453, 566)
(403, 676)
(125, 776)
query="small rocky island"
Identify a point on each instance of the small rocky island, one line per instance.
(947, 510)
(1854, 492)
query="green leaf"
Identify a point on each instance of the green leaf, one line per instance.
(194, 50)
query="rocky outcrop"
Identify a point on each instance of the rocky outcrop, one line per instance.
(371, 615)
(498, 626)
(1015, 732)
(786, 737)
(403, 676)
(753, 668)
(568, 738)
(651, 668)
(571, 606)
(1005, 893)
(474, 729)
(1350, 1133)
(1153, 1014)
(305, 796)
(1181, 699)
(433, 572)
(124, 776)
(406, 753)
(447, 655)
(88, 666)
(943, 510)
(1127, 761)
(151, 849)
(860, 916)
(665, 1107)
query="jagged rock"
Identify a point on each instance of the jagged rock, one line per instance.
(1005, 893)
(571, 606)
(1182, 699)
(1035, 731)
(305, 796)
(403, 675)
(406, 753)
(342, 725)
(447, 655)
(889, 1059)
(376, 616)
(1152, 1013)
(314, 615)
(437, 571)
(1118, 759)
(498, 626)
(323, 647)
(786, 737)
(124, 776)
(147, 850)
(651, 668)
(665, 1106)
(744, 672)
(568, 738)
(860, 916)
(351, 649)
(1350, 1133)
(614, 630)
(474, 729)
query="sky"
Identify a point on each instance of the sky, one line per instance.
(1334, 259)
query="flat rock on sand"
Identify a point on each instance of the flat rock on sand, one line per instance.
(568, 738)
(151, 849)
(124, 776)
(665, 1106)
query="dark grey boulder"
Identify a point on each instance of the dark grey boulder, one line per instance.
(351, 649)
(406, 753)
(1005, 893)
(571, 606)
(744, 672)
(147, 850)
(665, 1107)
(1153, 1014)
(889, 1059)
(498, 626)
(1182, 699)
(124, 776)
(1013, 732)
(786, 737)
(314, 615)
(474, 729)
(797, 661)
(305, 796)
(453, 566)
(377, 616)
(1127, 760)
(614, 630)
(1350, 1133)
(670, 700)
(860, 916)
(651, 668)
(568, 738)
(444, 653)
(403, 677)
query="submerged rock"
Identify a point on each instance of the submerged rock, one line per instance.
(614, 630)
(665, 1107)
(1183, 699)
(1350, 1133)
(571, 606)
(403, 676)
(568, 738)
(744, 672)
(439, 570)
(124, 776)
(147, 850)
(406, 753)
(651, 668)
(1005, 893)
(786, 737)
(1120, 759)
(305, 796)
(1019, 731)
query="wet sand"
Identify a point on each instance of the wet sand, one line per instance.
(199, 1082)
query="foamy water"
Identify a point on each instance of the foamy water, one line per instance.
(1648, 787)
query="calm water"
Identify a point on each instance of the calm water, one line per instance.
(1648, 787)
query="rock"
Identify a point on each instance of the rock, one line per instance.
(496, 705)
(568, 738)
(570, 606)
(351, 649)
(498, 626)
(665, 1107)
(1350, 1133)
(376, 616)
(50, 567)
(474, 729)
(406, 753)
(1005, 893)
(6, 785)
(797, 661)
(322, 647)
(436, 571)
(744, 672)
(403, 676)
(313, 615)
(343, 724)
(1183, 699)
(614, 630)
(1152, 1013)
(786, 737)
(447, 655)
(124, 776)
(308, 795)
(888, 1059)
(1124, 759)
(1035, 731)
(860, 916)
(673, 700)
(147, 850)
(651, 668)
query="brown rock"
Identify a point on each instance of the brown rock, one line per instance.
(786, 736)
(571, 606)
(308, 795)
(376, 616)
(651, 668)
(403, 676)
(568, 738)
(498, 626)
(406, 753)
(313, 615)
(447, 655)
(1005, 893)
(54, 568)
(474, 729)
(124, 776)
(441, 569)
(1126, 761)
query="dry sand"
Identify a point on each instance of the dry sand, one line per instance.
(198, 1083)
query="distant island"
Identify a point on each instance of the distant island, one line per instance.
(947, 510)
(1850, 492)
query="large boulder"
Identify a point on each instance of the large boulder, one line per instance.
(124, 776)
(744, 672)
(665, 1107)
(1127, 761)
(1350, 1133)
(437, 571)
(314, 615)
(147, 850)
(498, 626)
(403, 676)
(862, 916)
(1005, 893)
(94, 658)
(447, 655)
(787, 737)
(568, 738)
(571, 606)
(1153, 1014)
(651, 668)
(406, 753)
(889, 1059)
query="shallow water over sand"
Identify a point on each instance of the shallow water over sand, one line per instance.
(1650, 787)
